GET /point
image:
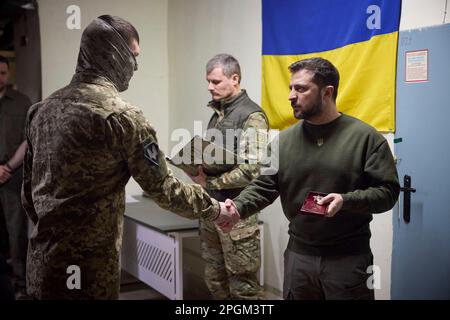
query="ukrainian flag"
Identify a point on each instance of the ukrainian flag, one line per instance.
(358, 36)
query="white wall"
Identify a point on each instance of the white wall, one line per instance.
(149, 86)
(198, 30)
(419, 13)
(381, 244)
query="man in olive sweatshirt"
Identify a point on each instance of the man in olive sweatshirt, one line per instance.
(328, 255)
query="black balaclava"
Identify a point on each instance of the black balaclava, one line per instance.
(104, 52)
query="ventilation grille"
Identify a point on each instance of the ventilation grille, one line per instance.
(155, 260)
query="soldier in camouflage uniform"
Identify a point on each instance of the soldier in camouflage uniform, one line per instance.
(84, 144)
(232, 260)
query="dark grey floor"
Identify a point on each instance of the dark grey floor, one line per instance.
(133, 289)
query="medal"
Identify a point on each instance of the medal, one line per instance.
(320, 142)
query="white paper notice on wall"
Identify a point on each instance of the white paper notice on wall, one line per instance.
(416, 69)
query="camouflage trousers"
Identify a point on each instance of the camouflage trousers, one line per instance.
(232, 260)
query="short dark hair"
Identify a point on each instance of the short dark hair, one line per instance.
(123, 27)
(4, 60)
(325, 73)
(227, 62)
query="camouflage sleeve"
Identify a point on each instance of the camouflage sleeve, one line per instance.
(252, 146)
(27, 200)
(136, 140)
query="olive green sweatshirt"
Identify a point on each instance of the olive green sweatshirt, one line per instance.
(345, 156)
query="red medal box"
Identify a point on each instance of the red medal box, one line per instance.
(310, 204)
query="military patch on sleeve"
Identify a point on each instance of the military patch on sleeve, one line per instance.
(151, 153)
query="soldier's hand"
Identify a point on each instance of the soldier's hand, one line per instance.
(335, 203)
(229, 204)
(5, 174)
(227, 218)
(200, 178)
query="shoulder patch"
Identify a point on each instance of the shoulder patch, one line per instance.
(151, 153)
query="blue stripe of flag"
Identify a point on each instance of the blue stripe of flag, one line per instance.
(293, 27)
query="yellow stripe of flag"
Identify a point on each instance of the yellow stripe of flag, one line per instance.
(366, 89)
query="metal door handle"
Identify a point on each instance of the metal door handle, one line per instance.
(407, 197)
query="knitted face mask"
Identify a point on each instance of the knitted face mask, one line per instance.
(103, 51)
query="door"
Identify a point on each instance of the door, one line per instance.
(421, 247)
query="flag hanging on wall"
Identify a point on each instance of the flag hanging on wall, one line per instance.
(358, 37)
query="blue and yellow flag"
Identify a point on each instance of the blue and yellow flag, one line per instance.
(358, 36)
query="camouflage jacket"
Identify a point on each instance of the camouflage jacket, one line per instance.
(84, 144)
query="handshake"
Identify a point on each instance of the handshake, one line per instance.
(228, 216)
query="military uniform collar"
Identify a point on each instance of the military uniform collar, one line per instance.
(89, 77)
(221, 105)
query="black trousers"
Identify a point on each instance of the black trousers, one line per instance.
(326, 278)
(13, 221)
